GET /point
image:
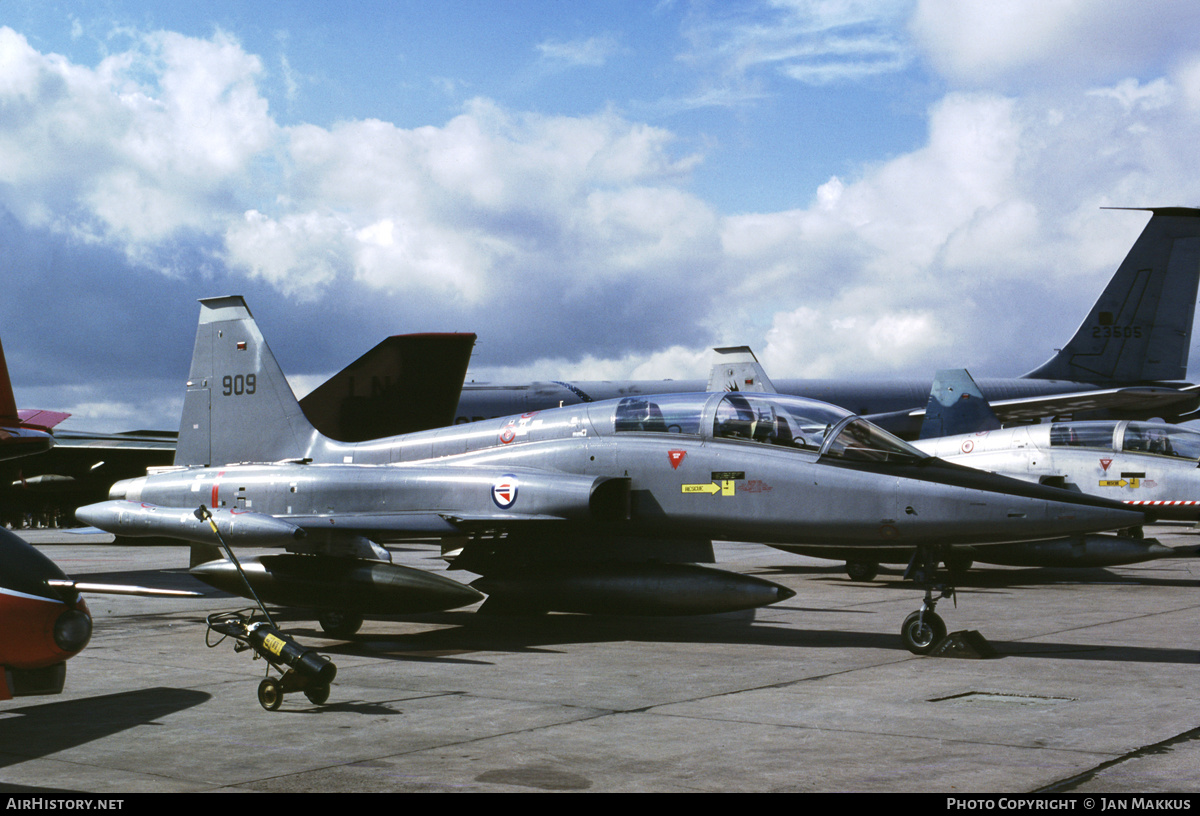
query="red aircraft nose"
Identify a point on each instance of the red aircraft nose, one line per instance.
(40, 626)
(39, 631)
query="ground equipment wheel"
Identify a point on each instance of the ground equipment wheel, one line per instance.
(317, 695)
(270, 694)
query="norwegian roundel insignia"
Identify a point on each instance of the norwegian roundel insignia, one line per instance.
(504, 492)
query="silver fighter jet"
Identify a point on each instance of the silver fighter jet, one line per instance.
(604, 507)
(1151, 464)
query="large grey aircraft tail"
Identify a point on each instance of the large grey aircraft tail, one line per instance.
(239, 406)
(1141, 327)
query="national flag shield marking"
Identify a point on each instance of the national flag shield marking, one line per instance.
(504, 492)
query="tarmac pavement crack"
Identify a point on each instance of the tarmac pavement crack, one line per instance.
(1073, 782)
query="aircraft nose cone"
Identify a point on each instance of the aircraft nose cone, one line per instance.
(998, 508)
(1109, 518)
(1041, 517)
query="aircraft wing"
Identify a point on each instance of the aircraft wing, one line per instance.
(1139, 398)
(84, 465)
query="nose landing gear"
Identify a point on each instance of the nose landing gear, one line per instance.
(924, 629)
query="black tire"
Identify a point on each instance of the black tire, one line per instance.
(340, 624)
(921, 635)
(959, 564)
(862, 570)
(317, 695)
(270, 694)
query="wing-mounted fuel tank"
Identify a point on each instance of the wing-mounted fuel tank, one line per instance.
(615, 588)
(598, 574)
(1096, 550)
(348, 585)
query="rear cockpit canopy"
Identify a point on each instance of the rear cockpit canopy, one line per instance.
(1128, 437)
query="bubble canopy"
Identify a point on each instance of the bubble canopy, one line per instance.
(768, 419)
(1124, 436)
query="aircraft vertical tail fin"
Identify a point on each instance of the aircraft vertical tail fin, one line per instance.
(735, 368)
(239, 406)
(1141, 327)
(409, 382)
(8, 403)
(956, 406)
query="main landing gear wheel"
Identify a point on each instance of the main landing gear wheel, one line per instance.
(958, 564)
(922, 631)
(340, 624)
(862, 570)
(270, 694)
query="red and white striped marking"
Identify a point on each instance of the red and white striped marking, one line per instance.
(1163, 503)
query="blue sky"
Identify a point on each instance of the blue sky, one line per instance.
(596, 189)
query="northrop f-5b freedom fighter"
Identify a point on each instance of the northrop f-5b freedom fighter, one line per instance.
(603, 507)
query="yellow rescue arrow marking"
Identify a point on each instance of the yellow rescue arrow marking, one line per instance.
(727, 487)
(1119, 483)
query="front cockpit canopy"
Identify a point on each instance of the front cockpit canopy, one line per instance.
(769, 419)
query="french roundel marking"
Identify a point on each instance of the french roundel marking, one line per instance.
(968, 446)
(504, 492)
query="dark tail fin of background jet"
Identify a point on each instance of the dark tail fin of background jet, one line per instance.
(239, 406)
(1141, 327)
(956, 406)
(8, 403)
(409, 382)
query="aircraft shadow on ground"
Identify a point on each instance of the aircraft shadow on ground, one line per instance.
(986, 577)
(462, 636)
(42, 728)
(467, 633)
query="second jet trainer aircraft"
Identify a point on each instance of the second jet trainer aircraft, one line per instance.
(1140, 463)
(1124, 358)
(599, 508)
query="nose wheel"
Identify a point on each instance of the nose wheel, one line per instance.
(924, 629)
